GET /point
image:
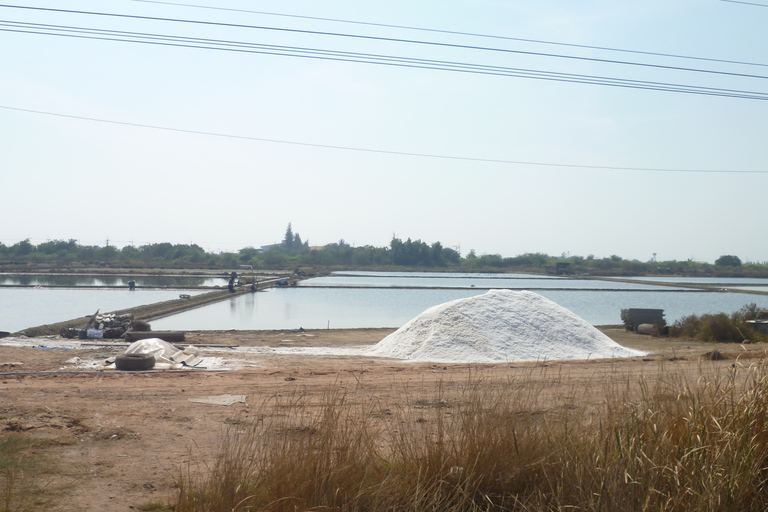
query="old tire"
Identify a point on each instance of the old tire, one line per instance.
(135, 362)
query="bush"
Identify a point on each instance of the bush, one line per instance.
(720, 327)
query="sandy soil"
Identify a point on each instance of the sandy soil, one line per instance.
(119, 440)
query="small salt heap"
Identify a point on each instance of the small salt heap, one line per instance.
(499, 326)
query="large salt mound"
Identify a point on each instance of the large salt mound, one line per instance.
(499, 326)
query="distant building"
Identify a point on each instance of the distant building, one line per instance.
(759, 325)
(270, 247)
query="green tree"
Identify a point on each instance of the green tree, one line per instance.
(276, 258)
(341, 252)
(247, 254)
(108, 253)
(196, 254)
(451, 256)
(288, 239)
(436, 254)
(728, 261)
(130, 254)
(229, 260)
(368, 255)
(23, 248)
(298, 246)
(527, 260)
(490, 260)
(157, 251)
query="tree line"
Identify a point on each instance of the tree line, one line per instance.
(400, 254)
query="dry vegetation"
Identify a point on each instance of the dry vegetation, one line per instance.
(487, 443)
(675, 430)
(720, 327)
(28, 480)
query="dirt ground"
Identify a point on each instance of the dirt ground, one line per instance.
(117, 441)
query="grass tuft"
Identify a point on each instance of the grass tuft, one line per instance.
(500, 444)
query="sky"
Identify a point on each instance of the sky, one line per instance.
(141, 143)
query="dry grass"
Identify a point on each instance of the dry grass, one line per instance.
(27, 481)
(502, 444)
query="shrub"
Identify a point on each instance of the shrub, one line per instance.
(720, 327)
(687, 327)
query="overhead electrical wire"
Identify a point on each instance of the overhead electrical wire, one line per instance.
(390, 60)
(745, 3)
(386, 152)
(470, 34)
(315, 53)
(383, 39)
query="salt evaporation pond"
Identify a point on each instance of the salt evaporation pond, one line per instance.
(466, 280)
(21, 308)
(340, 307)
(83, 281)
(347, 302)
(499, 326)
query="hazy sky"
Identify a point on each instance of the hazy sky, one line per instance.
(64, 177)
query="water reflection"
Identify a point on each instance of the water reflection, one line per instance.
(73, 281)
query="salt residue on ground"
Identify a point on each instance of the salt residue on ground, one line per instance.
(499, 326)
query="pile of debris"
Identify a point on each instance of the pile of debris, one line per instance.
(107, 325)
(154, 353)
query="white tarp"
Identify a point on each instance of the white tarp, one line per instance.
(165, 353)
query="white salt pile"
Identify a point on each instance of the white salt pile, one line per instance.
(499, 326)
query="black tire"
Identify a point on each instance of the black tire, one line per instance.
(135, 362)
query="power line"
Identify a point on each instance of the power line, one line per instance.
(314, 53)
(746, 3)
(386, 39)
(382, 151)
(471, 34)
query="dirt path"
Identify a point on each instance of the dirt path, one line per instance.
(119, 440)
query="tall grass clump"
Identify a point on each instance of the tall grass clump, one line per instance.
(22, 471)
(670, 444)
(721, 327)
